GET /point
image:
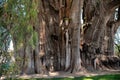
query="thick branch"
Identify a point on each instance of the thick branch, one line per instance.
(113, 4)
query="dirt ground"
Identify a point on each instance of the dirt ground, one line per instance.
(69, 75)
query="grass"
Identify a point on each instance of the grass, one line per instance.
(99, 77)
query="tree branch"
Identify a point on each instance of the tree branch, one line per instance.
(113, 4)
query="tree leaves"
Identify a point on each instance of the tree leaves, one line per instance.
(19, 17)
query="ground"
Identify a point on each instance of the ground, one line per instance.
(72, 75)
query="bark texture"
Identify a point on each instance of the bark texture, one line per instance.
(64, 44)
(98, 30)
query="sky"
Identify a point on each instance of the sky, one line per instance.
(11, 46)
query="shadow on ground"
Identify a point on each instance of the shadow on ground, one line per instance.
(99, 77)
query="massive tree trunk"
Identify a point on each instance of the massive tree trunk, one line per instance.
(59, 35)
(96, 15)
(48, 46)
(75, 42)
(58, 28)
(24, 57)
(110, 30)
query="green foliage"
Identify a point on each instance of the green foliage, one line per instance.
(9, 70)
(19, 17)
(117, 42)
(5, 39)
(33, 40)
(117, 49)
(7, 66)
